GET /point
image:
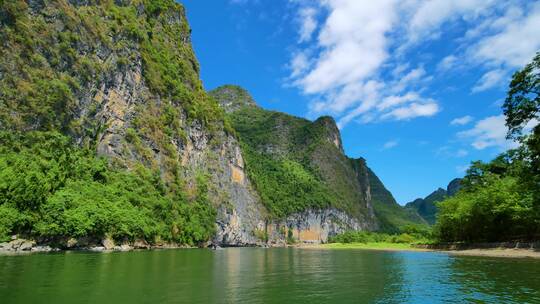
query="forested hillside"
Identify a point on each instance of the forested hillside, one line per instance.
(427, 207)
(297, 164)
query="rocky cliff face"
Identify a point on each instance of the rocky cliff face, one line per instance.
(314, 226)
(356, 198)
(120, 78)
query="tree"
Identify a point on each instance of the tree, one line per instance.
(522, 108)
(523, 101)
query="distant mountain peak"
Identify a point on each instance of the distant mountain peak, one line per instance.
(232, 97)
(332, 130)
(427, 208)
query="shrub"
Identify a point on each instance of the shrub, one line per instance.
(72, 193)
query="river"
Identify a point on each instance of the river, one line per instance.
(257, 275)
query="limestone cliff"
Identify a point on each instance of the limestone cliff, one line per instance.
(283, 151)
(120, 79)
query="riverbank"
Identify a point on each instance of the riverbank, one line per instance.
(22, 246)
(368, 246)
(499, 252)
(496, 253)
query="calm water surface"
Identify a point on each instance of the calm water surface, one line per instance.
(256, 275)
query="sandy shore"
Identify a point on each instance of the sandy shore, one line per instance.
(496, 252)
(491, 252)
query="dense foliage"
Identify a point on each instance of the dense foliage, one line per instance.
(500, 200)
(52, 190)
(286, 157)
(284, 185)
(391, 216)
(297, 164)
(409, 234)
(48, 59)
(91, 68)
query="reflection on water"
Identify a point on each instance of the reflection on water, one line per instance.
(255, 275)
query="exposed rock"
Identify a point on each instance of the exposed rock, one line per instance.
(126, 247)
(332, 132)
(314, 226)
(108, 243)
(71, 243)
(43, 249)
(18, 245)
(141, 244)
(27, 246)
(97, 249)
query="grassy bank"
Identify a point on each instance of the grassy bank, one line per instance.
(370, 245)
(478, 252)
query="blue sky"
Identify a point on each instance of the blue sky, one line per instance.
(416, 86)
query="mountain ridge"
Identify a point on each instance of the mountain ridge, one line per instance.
(427, 208)
(262, 132)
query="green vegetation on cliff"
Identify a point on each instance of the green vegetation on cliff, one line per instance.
(277, 149)
(55, 52)
(427, 207)
(53, 190)
(391, 216)
(296, 164)
(77, 74)
(64, 64)
(500, 200)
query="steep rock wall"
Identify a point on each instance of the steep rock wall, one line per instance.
(121, 77)
(314, 226)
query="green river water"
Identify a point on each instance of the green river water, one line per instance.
(257, 275)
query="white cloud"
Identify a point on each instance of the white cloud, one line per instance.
(299, 64)
(489, 132)
(353, 44)
(393, 100)
(447, 63)
(449, 152)
(490, 80)
(350, 56)
(461, 121)
(308, 22)
(351, 49)
(502, 43)
(515, 38)
(415, 76)
(390, 144)
(428, 16)
(399, 69)
(413, 110)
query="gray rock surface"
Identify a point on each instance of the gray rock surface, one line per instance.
(315, 226)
